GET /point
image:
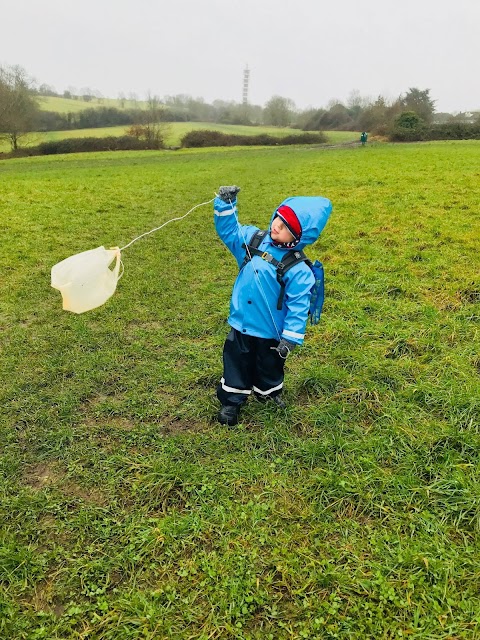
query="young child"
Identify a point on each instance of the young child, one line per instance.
(262, 336)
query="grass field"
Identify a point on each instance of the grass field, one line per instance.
(127, 512)
(68, 105)
(174, 131)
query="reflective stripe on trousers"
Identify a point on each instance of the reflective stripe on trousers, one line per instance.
(249, 364)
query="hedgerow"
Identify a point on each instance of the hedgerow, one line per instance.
(218, 139)
(79, 145)
(446, 131)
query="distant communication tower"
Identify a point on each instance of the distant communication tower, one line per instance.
(246, 78)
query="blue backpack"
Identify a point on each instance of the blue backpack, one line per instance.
(291, 259)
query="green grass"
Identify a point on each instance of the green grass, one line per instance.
(69, 105)
(174, 132)
(127, 512)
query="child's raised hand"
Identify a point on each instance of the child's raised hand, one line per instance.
(228, 194)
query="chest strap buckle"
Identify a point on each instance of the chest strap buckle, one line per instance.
(267, 256)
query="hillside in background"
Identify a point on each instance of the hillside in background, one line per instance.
(70, 105)
(174, 131)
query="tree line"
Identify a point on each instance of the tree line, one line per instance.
(20, 112)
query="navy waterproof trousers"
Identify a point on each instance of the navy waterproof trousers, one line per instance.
(249, 364)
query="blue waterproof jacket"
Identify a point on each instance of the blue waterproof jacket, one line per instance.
(253, 307)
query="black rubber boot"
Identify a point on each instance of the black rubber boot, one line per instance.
(228, 415)
(275, 399)
(279, 402)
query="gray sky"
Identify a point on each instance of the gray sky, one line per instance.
(311, 51)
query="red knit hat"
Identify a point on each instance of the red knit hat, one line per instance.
(290, 219)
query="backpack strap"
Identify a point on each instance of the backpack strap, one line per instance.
(291, 259)
(252, 246)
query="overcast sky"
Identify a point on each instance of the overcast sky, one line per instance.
(310, 51)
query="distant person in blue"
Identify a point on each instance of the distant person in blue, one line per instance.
(364, 138)
(263, 335)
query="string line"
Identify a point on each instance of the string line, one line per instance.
(147, 233)
(165, 223)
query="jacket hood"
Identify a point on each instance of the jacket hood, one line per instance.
(312, 212)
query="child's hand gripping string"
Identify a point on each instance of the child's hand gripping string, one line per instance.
(228, 194)
(284, 348)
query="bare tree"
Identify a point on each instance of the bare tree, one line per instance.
(154, 123)
(152, 126)
(18, 106)
(356, 103)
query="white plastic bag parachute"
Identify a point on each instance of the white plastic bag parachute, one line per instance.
(86, 280)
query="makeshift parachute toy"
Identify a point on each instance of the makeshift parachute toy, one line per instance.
(87, 280)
